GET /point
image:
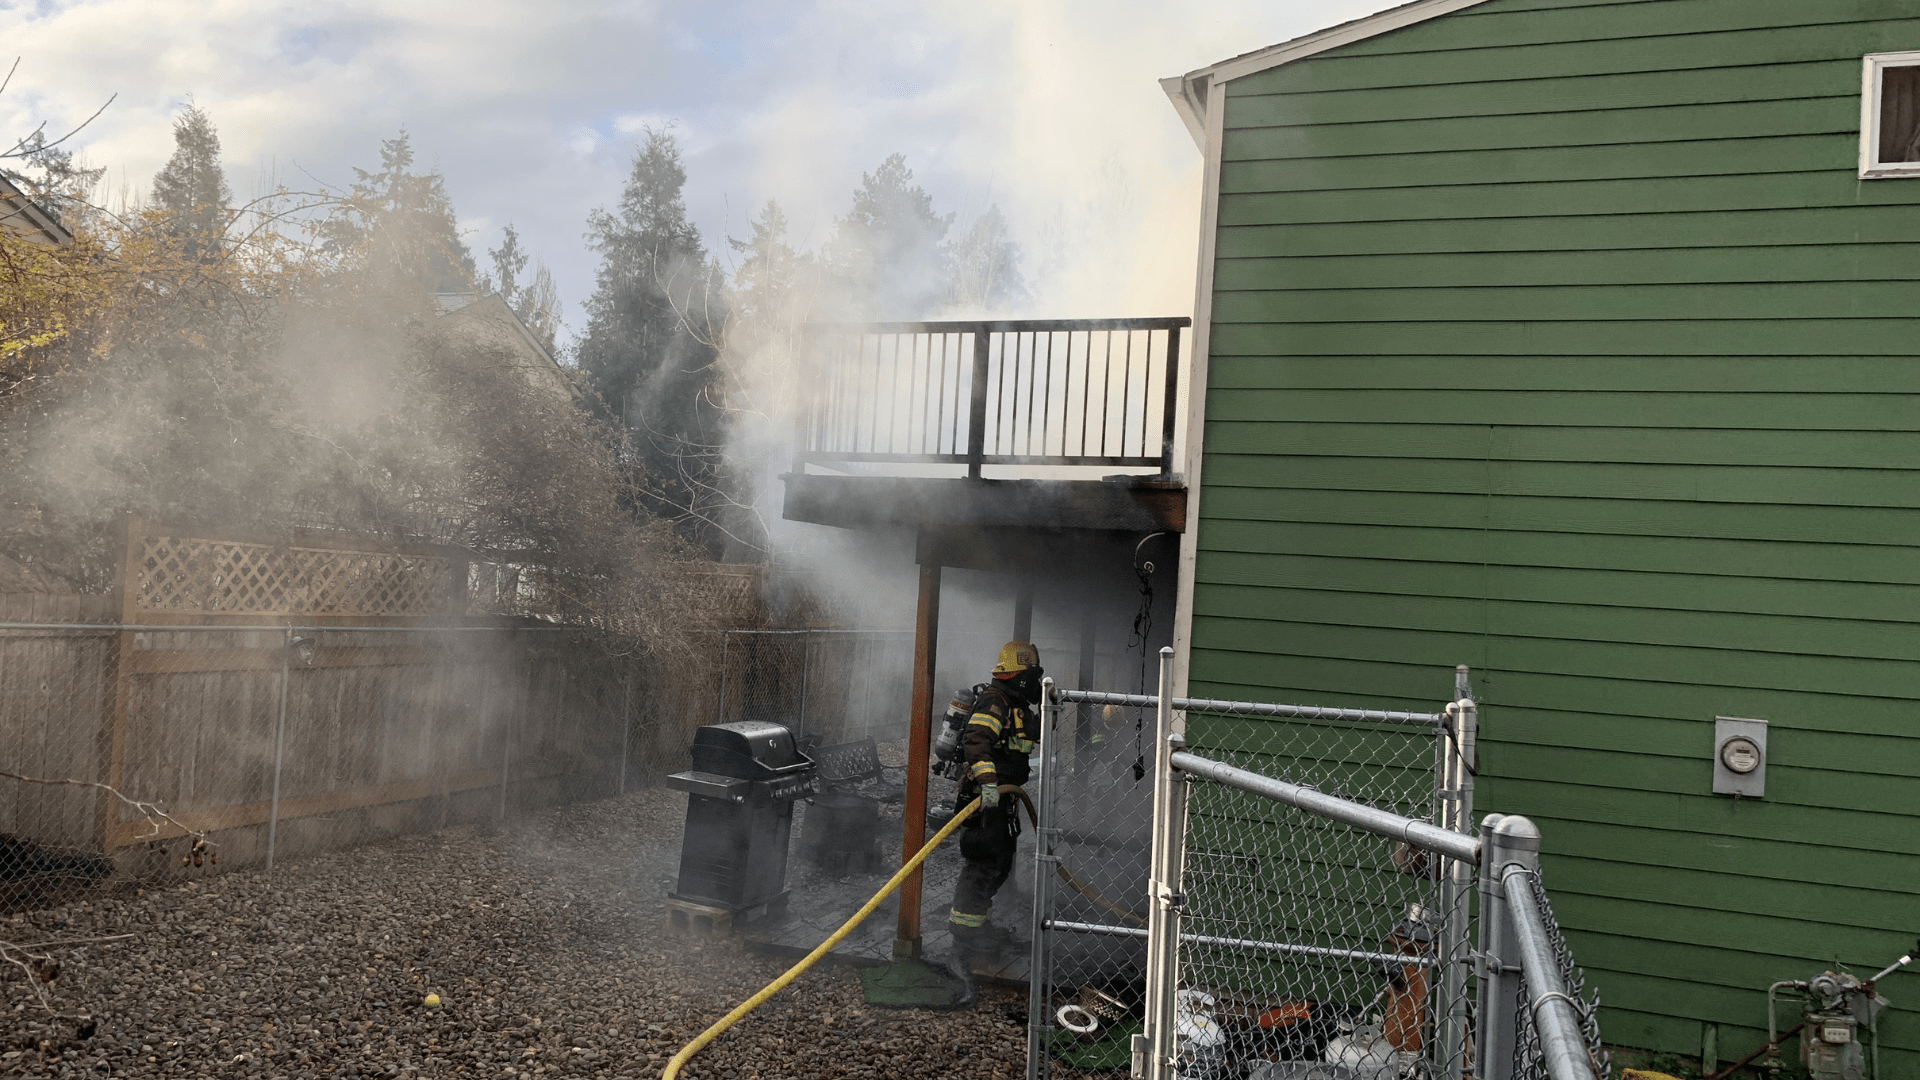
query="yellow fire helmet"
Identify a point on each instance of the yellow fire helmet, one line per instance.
(1016, 657)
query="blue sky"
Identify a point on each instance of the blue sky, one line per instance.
(1049, 108)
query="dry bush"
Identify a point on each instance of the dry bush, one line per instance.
(275, 383)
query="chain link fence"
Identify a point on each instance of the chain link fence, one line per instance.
(827, 686)
(1529, 1049)
(1306, 942)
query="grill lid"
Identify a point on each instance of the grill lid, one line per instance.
(749, 750)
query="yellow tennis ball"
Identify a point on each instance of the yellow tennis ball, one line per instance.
(432, 1001)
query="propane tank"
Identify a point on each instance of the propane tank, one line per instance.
(1363, 1053)
(1200, 1044)
(946, 747)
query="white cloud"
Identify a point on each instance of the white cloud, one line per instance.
(1049, 107)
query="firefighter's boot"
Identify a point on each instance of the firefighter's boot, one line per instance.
(986, 946)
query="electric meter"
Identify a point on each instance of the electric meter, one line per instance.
(1740, 755)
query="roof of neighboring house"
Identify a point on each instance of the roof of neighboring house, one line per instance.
(474, 310)
(22, 217)
(1189, 91)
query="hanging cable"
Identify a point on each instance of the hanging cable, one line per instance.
(1142, 633)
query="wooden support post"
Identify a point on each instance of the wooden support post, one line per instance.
(1168, 410)
(926, 634)
(279, 742)
(977, 403)
(1023, 609)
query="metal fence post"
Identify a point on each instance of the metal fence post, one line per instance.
(1163, 892)
(626, 731)
(1508, 840)
(1466, 733)
(1039, 960)
(279, 744)
(1457, 802)
(806, 653)
(506, 749)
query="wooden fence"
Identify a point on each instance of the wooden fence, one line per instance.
(285, 695)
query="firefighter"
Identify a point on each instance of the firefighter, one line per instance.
(999, 735)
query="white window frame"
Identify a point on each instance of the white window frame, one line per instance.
(1871, 167)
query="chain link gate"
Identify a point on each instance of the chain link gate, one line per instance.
(1087, 968)
(1290, 927)
(1308, 949)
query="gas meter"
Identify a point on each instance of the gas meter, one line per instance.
(1837, 1008)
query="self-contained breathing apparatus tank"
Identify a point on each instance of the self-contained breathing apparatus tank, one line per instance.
(946, 747)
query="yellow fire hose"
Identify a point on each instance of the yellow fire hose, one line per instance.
(686, 1052)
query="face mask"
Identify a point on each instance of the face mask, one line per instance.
(1029, 684)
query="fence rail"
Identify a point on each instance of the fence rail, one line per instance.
(1257, 708)
(1058, 392)
(1301, 797)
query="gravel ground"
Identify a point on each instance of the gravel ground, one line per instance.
(544, 942)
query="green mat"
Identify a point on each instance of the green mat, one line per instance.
(912, 984)
(1114, 1050)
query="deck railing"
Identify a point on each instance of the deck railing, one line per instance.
(1074, 392)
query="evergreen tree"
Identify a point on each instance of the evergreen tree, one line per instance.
(193, 187)
(648, 348)
(771, 286)
(404, 221)
(56, 181)
(509, 262)
(986, 266)
(537, 303)
(772, 294)
(887, 253)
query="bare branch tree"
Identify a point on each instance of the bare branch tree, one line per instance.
(153, 814)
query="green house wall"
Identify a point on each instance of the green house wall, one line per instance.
(1559, 338)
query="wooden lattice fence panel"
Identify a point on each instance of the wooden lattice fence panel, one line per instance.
(729, 595)
(196, 576)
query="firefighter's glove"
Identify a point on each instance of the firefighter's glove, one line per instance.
(989, 796)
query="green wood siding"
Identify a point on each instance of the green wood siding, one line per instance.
(1559, 338)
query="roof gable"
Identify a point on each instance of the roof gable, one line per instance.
(492, 316)
(1189, 92)
(22, 217)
